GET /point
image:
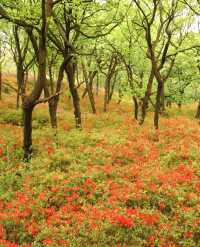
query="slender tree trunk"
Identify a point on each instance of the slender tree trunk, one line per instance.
(27, 115)
(20, 81)
(53, 103)
(112, 87)
(163, 98)
(146, 97)
(97, 85)
(70, 71)
(136, 107)
(105, 96)
(120, 95)
(52, 110)
(23, 89)
(89, 81)
(157, 105)
(198, 111)
(110, 73)
(51, 78)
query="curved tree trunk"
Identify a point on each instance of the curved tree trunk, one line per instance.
(29, 102)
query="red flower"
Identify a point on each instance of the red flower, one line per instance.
(1, 152)
(188, 234)
(1, 231)
(47, 241)
(50, 150)
(127, 222)
(149, 219)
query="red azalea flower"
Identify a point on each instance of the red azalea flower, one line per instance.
(127, 222)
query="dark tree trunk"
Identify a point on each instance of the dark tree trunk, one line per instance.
(198, 111)
(112, 88)
(53, 103)
(136, 107)
(120, 95)
(157, 105)
(90, 92)
(89, 78)
(20, 81)
(105, 96)
(70, 71)
(110, 73)
(163, 98)
(27, 145)
(30, 101)
(51, 77)
(146, 97)
(97, 85)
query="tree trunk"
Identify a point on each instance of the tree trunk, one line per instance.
(70, 71)
(53, 103)
(97, 85)
(136, 107)
(105, 96)
(51, 78)
(30, 101)
(163, 98)
(27, 115)
(146, 97)
(157, 105)
(20, 81)
(198, 111)
(110, 73)
(112, 88)
(89, 81)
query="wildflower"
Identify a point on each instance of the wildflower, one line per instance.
(127, 222)
(188, 234)
(47, 241)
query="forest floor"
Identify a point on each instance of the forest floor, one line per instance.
(113, 184)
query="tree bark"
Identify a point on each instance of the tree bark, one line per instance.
(30, 101)
(89, 81)
(97, 84)
(53, 103)
(157, 105)
(20, 81)
(146, 97)
(198, 111)
(136, 107)
(70, 71)
(163, 98)
(27, 120)
(110, 73)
